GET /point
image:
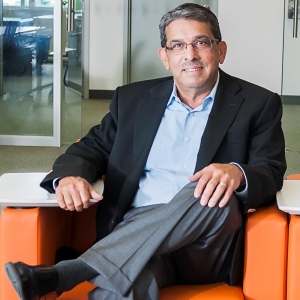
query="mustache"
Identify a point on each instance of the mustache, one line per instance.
(188, 64)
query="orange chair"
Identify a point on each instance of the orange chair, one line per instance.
(293, 274)
(33, 236)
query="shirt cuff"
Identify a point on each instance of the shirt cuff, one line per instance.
(243, 193)
(55, 183)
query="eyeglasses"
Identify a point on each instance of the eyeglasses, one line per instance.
(199, 44)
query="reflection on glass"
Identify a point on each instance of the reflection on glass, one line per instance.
(27, 73)
(26, 77)
(25, 3)
(291, 9)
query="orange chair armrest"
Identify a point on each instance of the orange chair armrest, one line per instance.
(266, 241)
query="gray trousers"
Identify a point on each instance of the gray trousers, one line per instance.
(155, 246)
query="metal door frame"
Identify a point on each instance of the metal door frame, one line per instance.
(127, 41)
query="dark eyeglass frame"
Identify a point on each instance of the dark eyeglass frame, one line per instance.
(194, 45)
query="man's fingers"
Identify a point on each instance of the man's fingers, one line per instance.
(207, 191)
(74, 193)
(225, 199)
(201, 185)
(195, 177)
(61, 201)
(73, 201)
(212, 193)
(94, 194)
(83, 201)
(217, 195)
(91, 194)
(216, 183)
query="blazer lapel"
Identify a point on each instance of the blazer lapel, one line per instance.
(226, 106)
(149, 114)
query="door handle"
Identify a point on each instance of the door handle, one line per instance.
(71, 16)
(295, 21)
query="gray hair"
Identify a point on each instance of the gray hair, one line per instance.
(189, 11)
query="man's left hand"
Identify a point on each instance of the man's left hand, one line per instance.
(216, 183)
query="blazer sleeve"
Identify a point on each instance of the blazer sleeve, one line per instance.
(266, 156)
(89, 157)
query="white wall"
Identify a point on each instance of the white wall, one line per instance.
(253, 31)
(106, 44)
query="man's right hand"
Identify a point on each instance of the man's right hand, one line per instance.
(74, 193)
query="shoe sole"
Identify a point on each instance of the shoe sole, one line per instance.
(15, 278)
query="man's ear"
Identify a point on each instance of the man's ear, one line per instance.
(164, 57)
(222, 51)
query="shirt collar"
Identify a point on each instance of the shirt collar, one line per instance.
(207, 99)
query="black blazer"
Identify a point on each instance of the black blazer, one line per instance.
(244, 126)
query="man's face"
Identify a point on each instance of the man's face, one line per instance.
(193, 69)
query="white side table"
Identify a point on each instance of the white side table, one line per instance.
(23, 190)
(288, 199)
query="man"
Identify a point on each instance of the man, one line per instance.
(184, 158)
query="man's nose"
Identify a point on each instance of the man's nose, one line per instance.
(191, 52)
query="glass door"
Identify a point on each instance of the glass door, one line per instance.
(36, 104)
(142, 16)
(291, 85)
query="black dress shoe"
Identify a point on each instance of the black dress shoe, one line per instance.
(32, 283)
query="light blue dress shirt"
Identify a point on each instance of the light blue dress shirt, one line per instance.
(173, 154)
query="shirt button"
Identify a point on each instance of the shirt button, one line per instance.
(187, 139)
(184, 166)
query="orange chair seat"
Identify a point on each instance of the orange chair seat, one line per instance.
(80, 292)
(219, 291)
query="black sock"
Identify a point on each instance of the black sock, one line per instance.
(73, 272)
